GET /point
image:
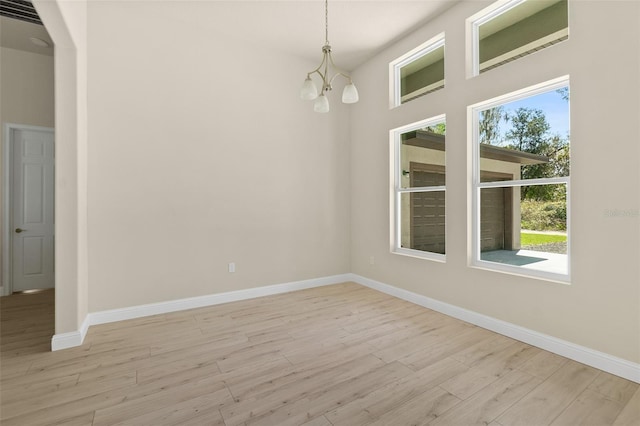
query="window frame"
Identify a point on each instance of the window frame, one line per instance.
(473, 112)
(395, 67)
(396, 190)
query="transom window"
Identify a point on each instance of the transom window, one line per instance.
(418, 72)
(508, 30)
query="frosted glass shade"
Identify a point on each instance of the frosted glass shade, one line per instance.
(350, 94)
(321, 104)
(309, 91)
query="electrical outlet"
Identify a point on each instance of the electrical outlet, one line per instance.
(372, 260)
(232, 267)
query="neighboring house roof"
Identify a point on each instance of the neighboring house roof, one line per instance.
(430, 140)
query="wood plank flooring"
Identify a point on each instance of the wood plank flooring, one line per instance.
(335, 355)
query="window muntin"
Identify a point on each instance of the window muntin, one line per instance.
(419, 72)
(419, 219)
(509, 30)
(512, 199)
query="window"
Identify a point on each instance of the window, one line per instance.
(419, 218)
(521, 164)
(419, 72)
(508, 30)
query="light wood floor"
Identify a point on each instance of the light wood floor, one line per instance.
(336, 355)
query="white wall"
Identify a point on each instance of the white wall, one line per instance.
(26, 97)
(600, 309)
(201, 154)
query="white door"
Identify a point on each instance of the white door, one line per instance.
(33, 209)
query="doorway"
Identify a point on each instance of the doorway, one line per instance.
(28, 206)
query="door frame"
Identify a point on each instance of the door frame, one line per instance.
(7, 202)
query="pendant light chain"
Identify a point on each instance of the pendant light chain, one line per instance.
(326, 21)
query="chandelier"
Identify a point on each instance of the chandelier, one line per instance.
(309, 90)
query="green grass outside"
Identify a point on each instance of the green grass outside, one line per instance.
(527, 239)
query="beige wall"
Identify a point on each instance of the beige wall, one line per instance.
(201, 154)
(26, 97)
(600, 309)
(66, 23)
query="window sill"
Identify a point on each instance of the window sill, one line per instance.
(522, 272)
(436, 257)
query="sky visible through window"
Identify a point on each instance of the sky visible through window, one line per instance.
(554, 106)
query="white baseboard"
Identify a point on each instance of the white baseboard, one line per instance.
(71, 339)
(75, 338)
(609, 363)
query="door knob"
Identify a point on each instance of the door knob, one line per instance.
(19, 230)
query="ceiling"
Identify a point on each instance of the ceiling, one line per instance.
(358, 29)
(20, 27)
(17, 35)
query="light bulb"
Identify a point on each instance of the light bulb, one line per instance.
(350, 94)
(321, 104)
(309, 91)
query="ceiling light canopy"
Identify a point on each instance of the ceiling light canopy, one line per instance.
(309, 90)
